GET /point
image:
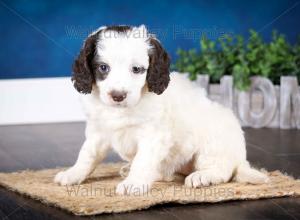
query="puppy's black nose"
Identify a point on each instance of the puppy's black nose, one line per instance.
(118, 96)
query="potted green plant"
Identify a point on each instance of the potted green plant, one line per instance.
(261, 77)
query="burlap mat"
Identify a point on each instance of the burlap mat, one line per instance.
(97, 195)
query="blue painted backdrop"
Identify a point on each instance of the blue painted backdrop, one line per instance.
(41, 38)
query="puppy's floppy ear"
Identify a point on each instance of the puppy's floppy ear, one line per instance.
(83, 77)
(158, 72)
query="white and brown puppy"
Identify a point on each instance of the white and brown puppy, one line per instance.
(160, 122)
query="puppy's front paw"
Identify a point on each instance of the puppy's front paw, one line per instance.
(133, 187)
(203, 178)
(69, 177)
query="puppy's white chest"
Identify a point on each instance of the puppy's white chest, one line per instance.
(124, 143)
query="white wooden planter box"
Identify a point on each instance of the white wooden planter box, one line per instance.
(264, 105)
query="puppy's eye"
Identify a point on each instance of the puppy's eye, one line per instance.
(137, 69)
(104, 68)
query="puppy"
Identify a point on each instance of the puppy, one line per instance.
(160, 122)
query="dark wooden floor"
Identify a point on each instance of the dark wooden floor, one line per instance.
(51, 145)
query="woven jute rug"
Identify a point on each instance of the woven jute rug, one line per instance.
(97, 194)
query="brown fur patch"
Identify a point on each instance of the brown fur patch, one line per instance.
(83, 74)
(118, 28)
(158, 72)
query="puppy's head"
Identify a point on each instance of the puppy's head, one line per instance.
(121, 61)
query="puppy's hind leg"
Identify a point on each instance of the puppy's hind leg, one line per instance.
(210, 170)
(246, 174)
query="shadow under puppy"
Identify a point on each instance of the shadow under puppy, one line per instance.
(160, 122)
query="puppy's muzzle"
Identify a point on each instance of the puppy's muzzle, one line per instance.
(118, 96)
